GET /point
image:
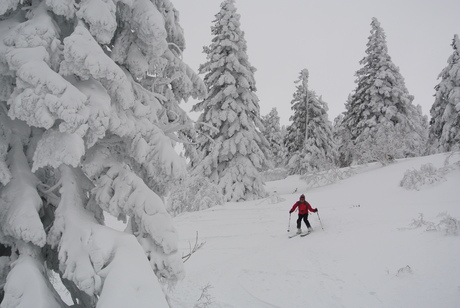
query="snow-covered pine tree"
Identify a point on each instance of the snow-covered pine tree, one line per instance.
(274, 136)
(444, 131)
(87, 93)
(294, 140)
(380, 117)
(309, 139)
(232, 147)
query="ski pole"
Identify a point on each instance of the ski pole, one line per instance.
(319, 220)
(289, 224)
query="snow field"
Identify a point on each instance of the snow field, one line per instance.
(368, 254)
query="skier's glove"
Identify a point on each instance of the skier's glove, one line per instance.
(316, 210)
(290, 212)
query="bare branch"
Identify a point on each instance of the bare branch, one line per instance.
(195, 248)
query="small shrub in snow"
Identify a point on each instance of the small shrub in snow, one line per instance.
(404, 271)
(205, 299)
(412, 179)
(450, 225)
(421, 222)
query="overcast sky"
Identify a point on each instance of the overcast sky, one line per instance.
(329, 37)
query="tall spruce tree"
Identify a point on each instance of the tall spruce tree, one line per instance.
(295, 136)
(309, 139)
(232, 147)
(381, 120)
(89, 95)
(444, 131)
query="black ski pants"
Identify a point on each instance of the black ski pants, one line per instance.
(305, 219)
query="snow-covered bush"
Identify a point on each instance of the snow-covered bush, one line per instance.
(274, 174)
(428, 174)
(420, 222)
(448, 224)
(194, 194)
(414, 179)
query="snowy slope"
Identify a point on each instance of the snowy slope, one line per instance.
(368, 255)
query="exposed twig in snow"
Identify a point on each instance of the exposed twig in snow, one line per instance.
(195, 248)
(205, 299)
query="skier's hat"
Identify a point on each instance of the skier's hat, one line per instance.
(302, 196)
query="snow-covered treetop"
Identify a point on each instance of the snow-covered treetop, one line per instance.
(453, 63)
(304, 78)
(381, 101)
(379, 83)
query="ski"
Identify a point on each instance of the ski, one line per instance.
(301, 234)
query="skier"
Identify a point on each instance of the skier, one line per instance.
(304, 207)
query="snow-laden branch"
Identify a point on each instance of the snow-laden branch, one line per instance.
(19, 200)
(100, 15)
(122, 193)
(191, 82)
(85, 58)
(34, 291)
(56, 148)
(43, 96)
(96, 258)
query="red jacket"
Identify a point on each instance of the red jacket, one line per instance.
(304, 207)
